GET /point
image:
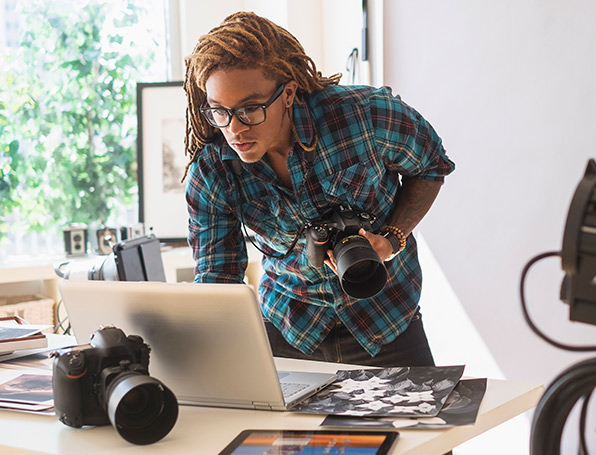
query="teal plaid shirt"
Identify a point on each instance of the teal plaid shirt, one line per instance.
(367, 140)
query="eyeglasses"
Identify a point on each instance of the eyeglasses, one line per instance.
(251, 115)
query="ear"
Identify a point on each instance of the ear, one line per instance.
(290, 91)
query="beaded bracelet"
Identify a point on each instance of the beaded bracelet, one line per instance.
(398, 233)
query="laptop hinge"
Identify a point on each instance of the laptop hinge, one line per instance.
(261, 406)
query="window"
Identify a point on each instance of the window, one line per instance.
(68, 75)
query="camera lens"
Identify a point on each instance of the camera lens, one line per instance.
(141, 408)
(361, 272)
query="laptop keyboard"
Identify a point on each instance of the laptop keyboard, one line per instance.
(290, 388)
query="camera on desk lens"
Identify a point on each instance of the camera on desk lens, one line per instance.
(361, 272)
(107, 381)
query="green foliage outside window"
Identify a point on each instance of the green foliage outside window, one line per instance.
(68, 113)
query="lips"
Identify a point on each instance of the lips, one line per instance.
(243, 146)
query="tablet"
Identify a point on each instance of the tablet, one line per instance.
(311, 442)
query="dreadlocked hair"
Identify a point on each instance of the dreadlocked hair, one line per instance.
(244, 41)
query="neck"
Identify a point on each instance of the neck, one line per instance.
(283, 148)
(284, 145)
(279, 153)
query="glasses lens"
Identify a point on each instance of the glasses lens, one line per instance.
(217, 117)
(251, 115)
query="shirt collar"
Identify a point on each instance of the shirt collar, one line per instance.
(226, 152)
(305, 128)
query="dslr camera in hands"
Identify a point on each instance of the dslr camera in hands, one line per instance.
(107, 381)
(361, 272)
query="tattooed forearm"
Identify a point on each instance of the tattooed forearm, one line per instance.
(415, 199)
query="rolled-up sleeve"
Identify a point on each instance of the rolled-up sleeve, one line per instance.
(408, 143)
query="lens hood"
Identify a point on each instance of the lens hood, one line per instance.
(361, 272)
(141, 408)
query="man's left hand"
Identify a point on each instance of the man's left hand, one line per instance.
(378, 243)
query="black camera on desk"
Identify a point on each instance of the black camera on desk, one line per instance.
(107, 381)
(361, 272)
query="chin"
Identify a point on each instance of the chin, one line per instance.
(249, 160)
(249, 157)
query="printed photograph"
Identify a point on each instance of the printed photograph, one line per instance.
(406, 392)
(27, 388)
(174, 160)
(460, 408)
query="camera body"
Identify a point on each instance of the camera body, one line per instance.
(83, 374)
(107, 381)
(132, 232)
(325, 233)
(361, 272)
(102, 239)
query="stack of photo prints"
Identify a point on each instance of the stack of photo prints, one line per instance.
(23, 388)
(29, 391)
(413, 397)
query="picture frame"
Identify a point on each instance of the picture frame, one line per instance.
(161, 108)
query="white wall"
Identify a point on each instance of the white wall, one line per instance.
(328, 30)
(511, 88)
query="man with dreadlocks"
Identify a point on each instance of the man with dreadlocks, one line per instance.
(274, 145)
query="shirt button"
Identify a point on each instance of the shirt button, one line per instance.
(305, 204)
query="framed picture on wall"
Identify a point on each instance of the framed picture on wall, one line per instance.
(161, 161)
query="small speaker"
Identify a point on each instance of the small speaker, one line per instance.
(75, 239)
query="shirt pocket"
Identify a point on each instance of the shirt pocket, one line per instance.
(353, 186)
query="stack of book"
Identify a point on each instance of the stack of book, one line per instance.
(17, 335)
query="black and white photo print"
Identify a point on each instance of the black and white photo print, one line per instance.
(405, 392)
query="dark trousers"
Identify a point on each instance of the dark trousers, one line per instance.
(408, 349)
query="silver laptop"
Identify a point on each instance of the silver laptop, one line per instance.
(208, 341)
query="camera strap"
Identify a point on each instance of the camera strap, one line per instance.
(309, 156)
(237, 171)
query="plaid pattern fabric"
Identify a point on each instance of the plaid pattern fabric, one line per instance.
(367, 139)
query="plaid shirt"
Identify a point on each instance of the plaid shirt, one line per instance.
(367, 139)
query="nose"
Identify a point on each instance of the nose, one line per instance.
(236, 126)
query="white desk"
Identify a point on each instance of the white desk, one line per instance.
(206, 431)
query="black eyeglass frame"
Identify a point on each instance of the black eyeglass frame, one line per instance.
(205, 110)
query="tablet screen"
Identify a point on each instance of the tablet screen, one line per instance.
(310, 442)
